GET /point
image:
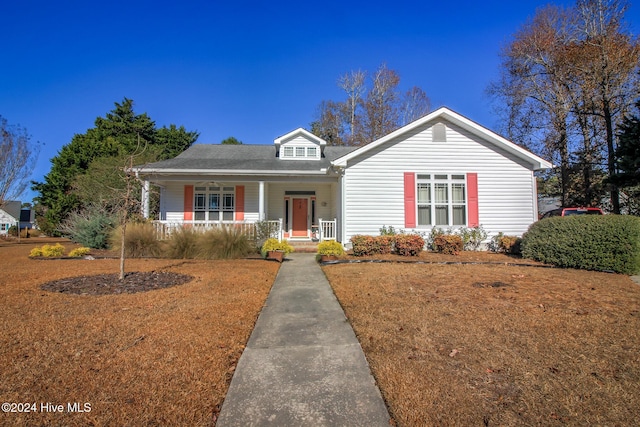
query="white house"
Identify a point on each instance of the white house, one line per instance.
(442, 170)
(9, 216)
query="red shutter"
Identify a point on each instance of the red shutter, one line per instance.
(472, 191)
(188, 202)
(409, 199)
(239, 203)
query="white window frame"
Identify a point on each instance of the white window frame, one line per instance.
(428, 188)
(299, 152)
(288, 151)
(203, 208)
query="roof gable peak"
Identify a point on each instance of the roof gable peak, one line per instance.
(444, 113)
(300, 132)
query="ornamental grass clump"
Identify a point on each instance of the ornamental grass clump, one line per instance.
(182, 243)
(224, 243)
(140, 240)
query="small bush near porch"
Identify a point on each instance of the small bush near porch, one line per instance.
(491, 345)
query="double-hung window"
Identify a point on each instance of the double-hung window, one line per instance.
(441, 200)
(214, 203)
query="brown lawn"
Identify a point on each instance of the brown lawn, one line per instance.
(497, 345)
(448, 344)
(163, 357)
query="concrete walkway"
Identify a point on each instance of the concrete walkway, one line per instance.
(303, 365)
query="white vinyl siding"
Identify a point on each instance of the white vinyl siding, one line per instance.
(374, 182)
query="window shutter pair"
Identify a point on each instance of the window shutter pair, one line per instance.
(410, 200)
(188, 203)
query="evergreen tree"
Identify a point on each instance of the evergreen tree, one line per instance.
(628, 152)
(117, 134)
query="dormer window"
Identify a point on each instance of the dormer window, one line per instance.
(300, 144)
(289, 152)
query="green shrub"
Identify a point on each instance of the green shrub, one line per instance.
(435, 232)
(330, 247)
(182, 243)
(90, 227)
(409, 244)
(472, 238)
(79, 252)
(139, 241)
(224, 243)
(273, 244)
(49, 251)
(450, 244)
(603, 243)
(390, 231)
(363, 245)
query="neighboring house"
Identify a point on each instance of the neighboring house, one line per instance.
(27, 218)
(442, 170)
(9, 216)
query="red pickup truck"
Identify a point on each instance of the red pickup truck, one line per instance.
(573, 211)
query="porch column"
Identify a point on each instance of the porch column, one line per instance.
(261, 214)
(145, 199)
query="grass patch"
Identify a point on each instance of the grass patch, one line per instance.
(497, 344)
(155, 358)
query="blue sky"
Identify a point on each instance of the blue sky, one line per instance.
(249, 69)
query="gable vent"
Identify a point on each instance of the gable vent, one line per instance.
(439, 132)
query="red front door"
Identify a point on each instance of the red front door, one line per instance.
(299, 214)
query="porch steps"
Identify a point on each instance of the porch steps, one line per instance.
(304, 246)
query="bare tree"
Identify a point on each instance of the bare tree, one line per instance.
(608, 62)
(380, 106)
(569, 75)
(415, 104)
(329, 125)
(353, 83)
(129, 202)
(374, 107)
(17, 160)
(534, 87)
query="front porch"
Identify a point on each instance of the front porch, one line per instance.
(324, 230)
(295, 211)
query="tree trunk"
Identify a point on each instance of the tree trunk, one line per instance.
(611, 154)
(122, 247)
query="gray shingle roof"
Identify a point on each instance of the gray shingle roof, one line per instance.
(243, 158)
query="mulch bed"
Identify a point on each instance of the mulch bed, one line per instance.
(109, 284)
